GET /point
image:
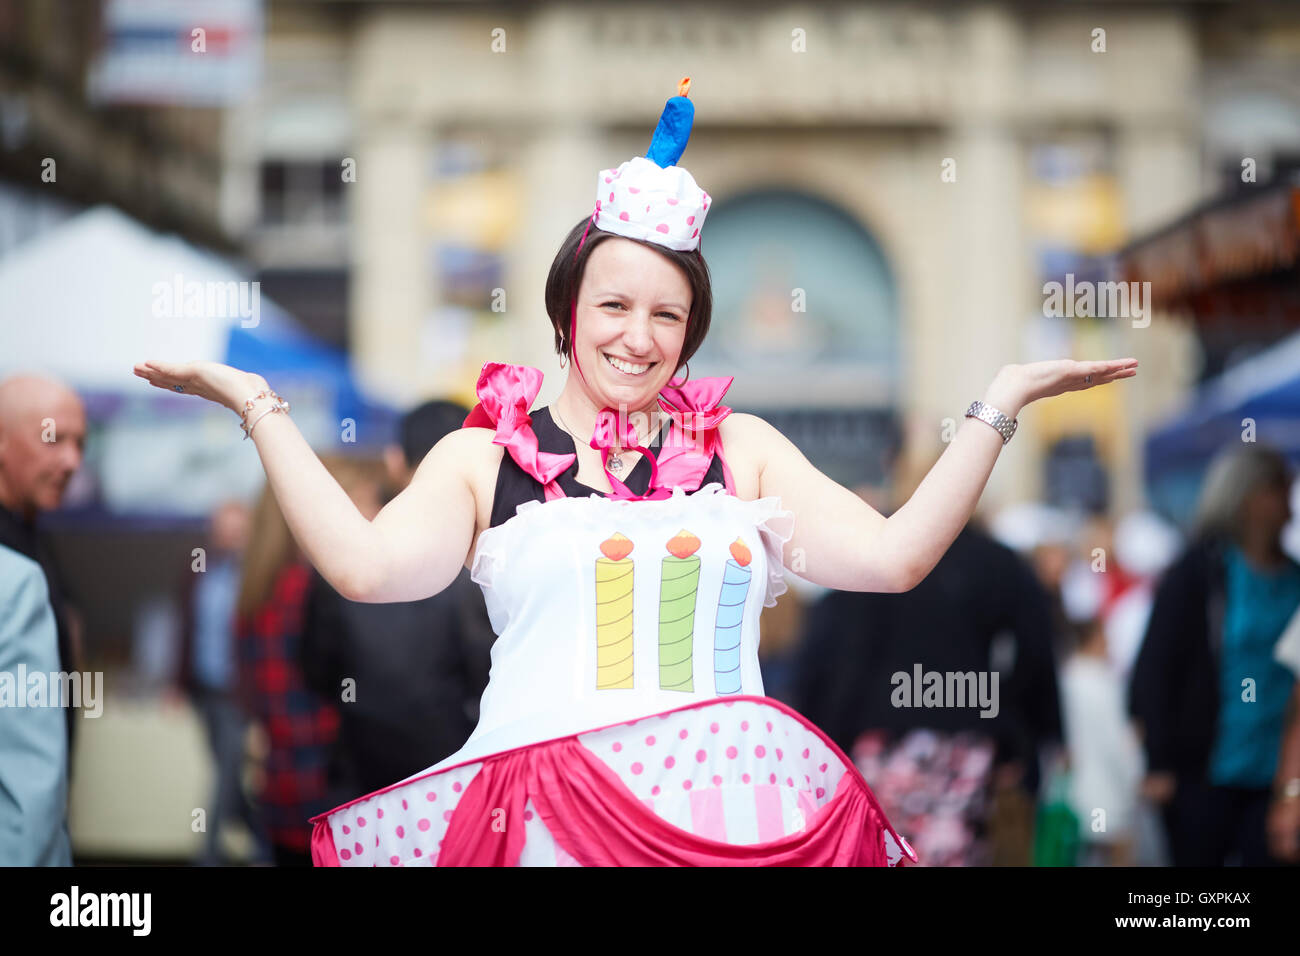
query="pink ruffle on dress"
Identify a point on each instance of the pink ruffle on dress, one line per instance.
(624, 722)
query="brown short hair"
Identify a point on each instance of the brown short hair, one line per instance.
(566, 278)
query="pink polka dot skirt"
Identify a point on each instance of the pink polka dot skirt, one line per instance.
(742, 781)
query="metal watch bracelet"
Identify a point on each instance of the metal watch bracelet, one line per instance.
(1006, 427)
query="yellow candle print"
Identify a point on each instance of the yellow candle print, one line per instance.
(614, 647)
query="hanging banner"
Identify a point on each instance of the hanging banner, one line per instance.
(178, 52)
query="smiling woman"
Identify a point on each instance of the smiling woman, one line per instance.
(625, 720)
(625, 345)
(691, 305)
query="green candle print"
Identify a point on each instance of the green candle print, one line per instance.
(679, 583)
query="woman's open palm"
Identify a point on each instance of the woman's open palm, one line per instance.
(1044, 379)
(211, 380)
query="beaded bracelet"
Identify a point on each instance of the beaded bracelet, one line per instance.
(280, 406)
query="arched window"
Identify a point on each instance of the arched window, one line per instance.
(805, 316)
(805, 307)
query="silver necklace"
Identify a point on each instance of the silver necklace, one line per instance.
(615, 463)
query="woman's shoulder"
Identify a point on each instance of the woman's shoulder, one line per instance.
(746, 427)
(752, 437)
(468, 453)
(474, 446)
(747, 441)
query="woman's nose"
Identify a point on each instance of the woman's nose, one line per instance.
(636, 335)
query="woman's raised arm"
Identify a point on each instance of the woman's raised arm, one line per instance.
(415, 546)
(841, 542)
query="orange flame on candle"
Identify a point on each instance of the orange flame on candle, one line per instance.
(684, 86)
(683, 544)
(616, 547)
(740, 553)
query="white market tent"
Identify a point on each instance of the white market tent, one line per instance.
(90, 298)
(79, 302)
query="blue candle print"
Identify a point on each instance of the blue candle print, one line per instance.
(731, 612)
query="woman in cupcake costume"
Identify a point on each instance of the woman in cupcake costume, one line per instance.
(626, 538)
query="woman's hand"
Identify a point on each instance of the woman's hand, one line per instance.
(1017, 385)
(211, 380)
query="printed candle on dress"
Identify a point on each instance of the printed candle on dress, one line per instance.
(678, 587)
(614, 646)
(731, 613)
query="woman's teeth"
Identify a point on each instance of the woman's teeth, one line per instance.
(626, 367)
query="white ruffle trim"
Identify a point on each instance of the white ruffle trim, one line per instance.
(775, 526)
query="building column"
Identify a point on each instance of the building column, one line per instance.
(566, 157)
(394, 284)
(1158, 172)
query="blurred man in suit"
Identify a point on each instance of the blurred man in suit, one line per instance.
(33, 739)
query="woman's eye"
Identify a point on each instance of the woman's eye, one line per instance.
(619, 305)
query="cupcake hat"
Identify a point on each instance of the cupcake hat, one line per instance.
(650, 197)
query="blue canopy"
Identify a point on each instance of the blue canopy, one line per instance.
(283, 353)
(1264, 389)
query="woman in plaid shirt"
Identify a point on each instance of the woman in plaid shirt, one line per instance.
(300, 726)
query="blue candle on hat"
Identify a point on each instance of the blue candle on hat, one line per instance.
(674, 129)
(650, 197)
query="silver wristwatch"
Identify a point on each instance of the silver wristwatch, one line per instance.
(987, 413)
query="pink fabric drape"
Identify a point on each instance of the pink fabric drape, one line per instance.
(599, 822)
(322, 844)
(507, 392)
(696, 409)
(605, 437)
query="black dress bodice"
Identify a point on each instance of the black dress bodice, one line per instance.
(515, 486)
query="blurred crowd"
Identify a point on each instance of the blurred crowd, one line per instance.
(349, 697)
(1148, 684)
(333, 699)
(1137, 685)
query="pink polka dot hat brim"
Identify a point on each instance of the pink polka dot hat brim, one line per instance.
(642, 200)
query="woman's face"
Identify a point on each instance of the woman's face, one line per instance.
(632, 310)
(1268, 508)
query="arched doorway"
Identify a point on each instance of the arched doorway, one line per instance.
(805, 316)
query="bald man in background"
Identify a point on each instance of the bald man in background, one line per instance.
(42, 436)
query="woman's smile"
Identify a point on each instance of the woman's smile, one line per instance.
(627, 366)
